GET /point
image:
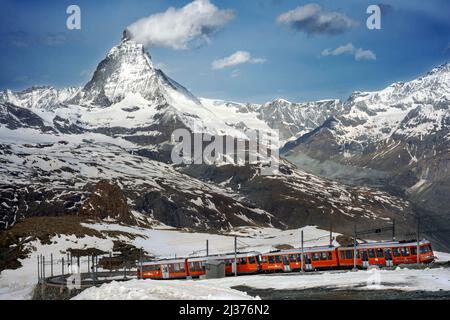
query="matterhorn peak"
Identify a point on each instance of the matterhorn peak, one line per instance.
(126, 35)
(128, 69)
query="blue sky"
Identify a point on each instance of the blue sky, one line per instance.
(285, 60)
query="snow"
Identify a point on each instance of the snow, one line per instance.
(399, 279)
(372, 279)
(162, 242)
(162, 290)
(169, 243)
(18, 284)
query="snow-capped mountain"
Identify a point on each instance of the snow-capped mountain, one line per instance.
(39, 97)
(398, 137)
(57, 154)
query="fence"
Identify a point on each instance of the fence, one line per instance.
(84, 271)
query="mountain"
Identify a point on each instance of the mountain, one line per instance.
(397, 138)
(101, 151)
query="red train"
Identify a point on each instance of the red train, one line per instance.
(314, 258)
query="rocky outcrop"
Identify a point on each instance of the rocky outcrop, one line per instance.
(107, 201)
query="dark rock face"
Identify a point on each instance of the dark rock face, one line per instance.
(20, 201)
(296, 198)
(107, 201)
(13, 117)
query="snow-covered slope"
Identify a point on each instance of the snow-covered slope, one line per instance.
(398, 137)
(39, 97)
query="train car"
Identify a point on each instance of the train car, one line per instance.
(247, 263)
(291, 260)
(164, 269)
(196, 266)
(385, 253)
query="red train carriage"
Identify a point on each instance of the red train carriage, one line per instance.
(164, 269)
(386, 253)
(290, 260)
(247, 263)
(194, 267)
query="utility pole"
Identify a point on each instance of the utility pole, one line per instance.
(38, 269)
(302, 254)
(235, 256)
(140, 262)
(418, 240)
(354, 249)
(207, 247)
(331, 236)
(393, 229)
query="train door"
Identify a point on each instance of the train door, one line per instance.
(388, 257)
(165, 271)
(365, 259)
(308, 264)
(286, 265)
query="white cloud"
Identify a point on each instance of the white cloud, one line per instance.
(349, 49)
(362, 54)
(176, 28)
(239, 57)
(313, 19)
(235, 73)
(346, 49)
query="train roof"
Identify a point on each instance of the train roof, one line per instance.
(163, 261)
(224, 256)
(386, 244)
(297, 250)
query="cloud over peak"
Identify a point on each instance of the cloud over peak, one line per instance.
(313, 19)
(239, 57)
(349, 49)
(176, 28)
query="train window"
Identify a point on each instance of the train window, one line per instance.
(182, 269)
(342, 254)
(348, 254)
(315, 256)
(372, 253)
(150, 268)
(243, 260)
(323, 256)
(413, 250)
(292, 258)
(251, 260)
(405, 251)
(176, 267)
(278, 259)
(271, 259)
(396, 252)
(264, 259)
(299, 258)
(425, 249)
(379, 253)
(330, 255)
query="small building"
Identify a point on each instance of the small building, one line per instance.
(214, 269)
